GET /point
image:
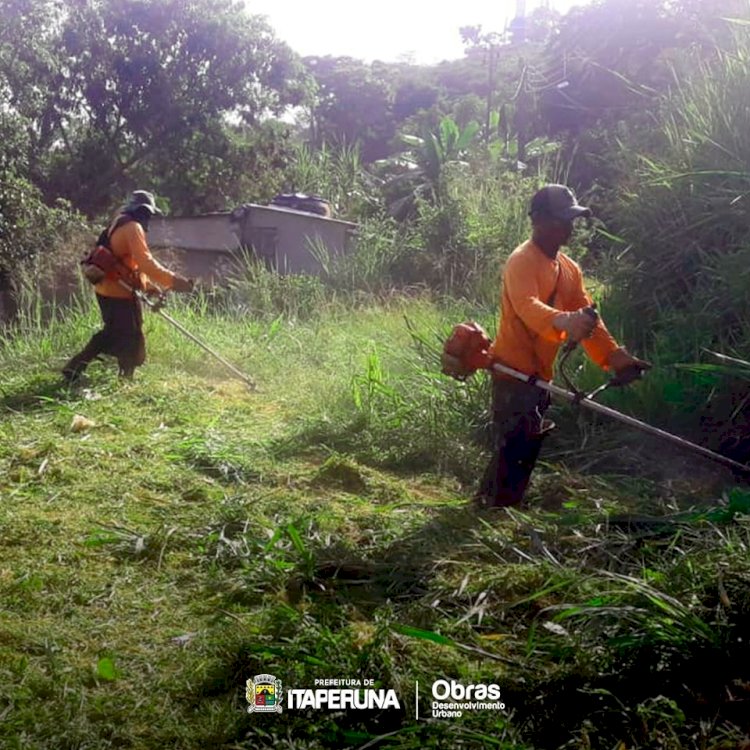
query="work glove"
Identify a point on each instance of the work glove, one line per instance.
(181, 284)
(627, 368)
(578, 325)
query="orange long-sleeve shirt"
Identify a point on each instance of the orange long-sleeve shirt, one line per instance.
(128, 243)
(526, 339)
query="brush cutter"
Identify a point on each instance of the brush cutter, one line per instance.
(157, 306)
(467, 350)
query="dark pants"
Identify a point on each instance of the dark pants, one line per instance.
(519, 428)
(121, 337)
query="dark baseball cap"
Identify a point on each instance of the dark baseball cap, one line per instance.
(557, 202)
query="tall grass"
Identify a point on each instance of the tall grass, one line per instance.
(336, 174)
(683, 213)
(44, 325)
(679, 275)
(256, 291)
(496, 215)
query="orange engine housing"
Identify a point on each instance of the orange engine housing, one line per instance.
(466, 350)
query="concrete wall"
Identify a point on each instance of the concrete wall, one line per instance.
(204, 245)
(195, 246)
(286, 238)
(208, 232)
(209, 265)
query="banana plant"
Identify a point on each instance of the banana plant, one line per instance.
(418, 171)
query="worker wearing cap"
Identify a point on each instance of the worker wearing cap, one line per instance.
(543, 304)
(122, 334)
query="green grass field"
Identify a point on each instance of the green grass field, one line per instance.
(192, 534)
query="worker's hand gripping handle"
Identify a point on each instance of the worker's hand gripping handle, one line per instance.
(593, 314)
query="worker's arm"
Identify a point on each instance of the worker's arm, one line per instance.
(522, 287)
(139, 252)
(600, 345)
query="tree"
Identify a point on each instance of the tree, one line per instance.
(413, 96)
(28, 64)
(353, 104)
(223, 166)
(611, 59)
(129, 82)
(489, 43)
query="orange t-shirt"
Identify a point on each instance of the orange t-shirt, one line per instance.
(128, 243)
(526, 339)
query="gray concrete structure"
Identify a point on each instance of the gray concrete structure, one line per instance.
(286, 240)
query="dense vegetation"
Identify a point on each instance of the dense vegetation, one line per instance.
(187, 535)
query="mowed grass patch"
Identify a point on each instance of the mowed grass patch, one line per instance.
(113, 529)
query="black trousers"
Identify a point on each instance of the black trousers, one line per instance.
(519, 428)
(121, 337)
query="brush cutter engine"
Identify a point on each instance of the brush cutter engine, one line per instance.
(466, 351)
(100, 263)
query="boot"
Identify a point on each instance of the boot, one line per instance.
(494, 479)
(524, 461)
(76, 366)
(507, 477)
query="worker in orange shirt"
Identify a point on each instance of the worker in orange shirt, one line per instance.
(543, 304)
(122, 334)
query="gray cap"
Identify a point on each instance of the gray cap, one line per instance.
(557, 202)
(142, 199)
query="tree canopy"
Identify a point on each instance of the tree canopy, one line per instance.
(111, 93)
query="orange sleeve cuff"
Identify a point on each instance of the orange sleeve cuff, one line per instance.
(600, 345)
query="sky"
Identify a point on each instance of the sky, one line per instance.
(422, 31)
